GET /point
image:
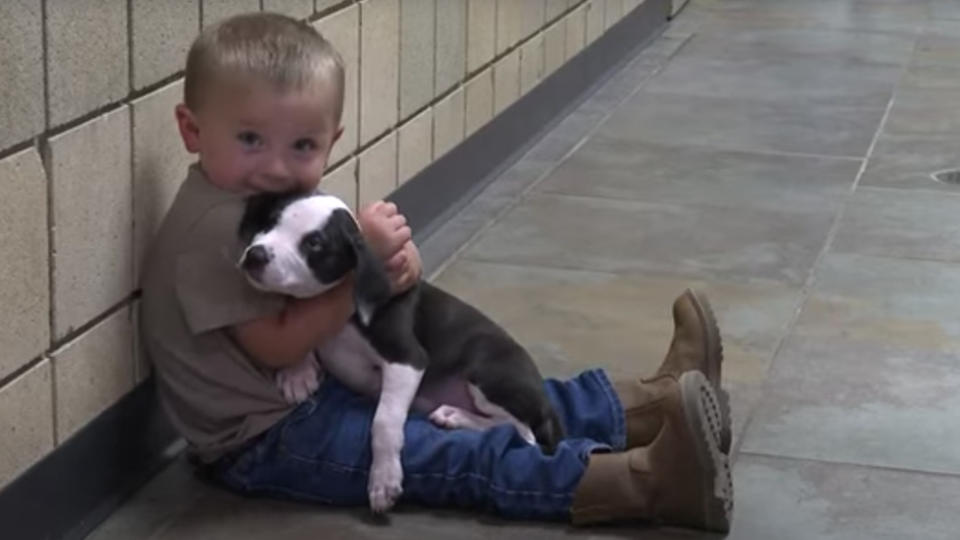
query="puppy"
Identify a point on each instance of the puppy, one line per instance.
(423, 348)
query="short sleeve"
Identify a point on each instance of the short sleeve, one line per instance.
(213, 292)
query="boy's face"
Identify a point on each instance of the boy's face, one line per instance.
(253, 138)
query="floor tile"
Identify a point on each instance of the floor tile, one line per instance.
(800, 500)
(746, 124)
(898, 223)
(691, 241)
(678, 174)
(795, 65)
(869, 374)
(912, 170)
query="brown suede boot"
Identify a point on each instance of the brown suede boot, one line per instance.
(696, 346)
(681, 478)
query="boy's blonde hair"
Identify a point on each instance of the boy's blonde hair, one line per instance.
(268, 46)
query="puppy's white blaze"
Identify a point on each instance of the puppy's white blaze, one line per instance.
(308, 214)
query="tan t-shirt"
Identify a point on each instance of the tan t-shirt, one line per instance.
(192, 291)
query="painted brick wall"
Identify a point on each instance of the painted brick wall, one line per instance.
(90, 158)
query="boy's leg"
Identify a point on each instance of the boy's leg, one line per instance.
(322, 453)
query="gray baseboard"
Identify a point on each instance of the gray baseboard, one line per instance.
(71, 490)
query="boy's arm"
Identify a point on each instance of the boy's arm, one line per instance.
(285, 339)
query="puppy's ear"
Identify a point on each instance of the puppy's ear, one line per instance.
(372, 286)
(261, 213)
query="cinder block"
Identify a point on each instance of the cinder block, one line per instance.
(481, 32)
(415, 145)
(342, 182)
(554, 47)
(451, 44)
(613, 13)
(87, 57)
(417, 44)
(26, 421)
(379, 79)
(532, 17)
(554, 8)
(21, 62)
(298, 9)
(216, 10)
(342, 29)
(92, 214)
(448, 123)
(24, 281)
(506, 81)
(162, 33)
(159, 164)
(509, 24)
(531, 63)
(93, 372)
(378, 170)
(595, 19)
(576, 23)
(479, 101)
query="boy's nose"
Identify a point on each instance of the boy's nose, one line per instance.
(277, 169)
(255, 260)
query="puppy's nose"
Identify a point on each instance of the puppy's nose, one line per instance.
(255, 259)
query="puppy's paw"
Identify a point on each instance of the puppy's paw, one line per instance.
(298, 382)
(385, 486)
(448, 417)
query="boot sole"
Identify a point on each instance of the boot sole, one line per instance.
(714, 348)
(703, 416)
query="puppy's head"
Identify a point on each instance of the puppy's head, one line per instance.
(304, 244)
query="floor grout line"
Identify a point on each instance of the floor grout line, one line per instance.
(841, 463)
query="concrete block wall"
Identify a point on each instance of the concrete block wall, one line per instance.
(90, 157)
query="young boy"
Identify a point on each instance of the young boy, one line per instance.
(262, 103)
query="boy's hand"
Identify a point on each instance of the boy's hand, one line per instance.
(389, 237)
(404, 268)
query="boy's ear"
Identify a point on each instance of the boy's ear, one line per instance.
(189, 129)
(336, 136)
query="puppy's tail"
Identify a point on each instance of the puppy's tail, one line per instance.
(549, 431)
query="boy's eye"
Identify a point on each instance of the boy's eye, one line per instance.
(248, 138)
(305, 145)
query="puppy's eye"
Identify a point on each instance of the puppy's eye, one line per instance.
(313, 242)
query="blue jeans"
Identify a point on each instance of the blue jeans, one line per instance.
(321, 452)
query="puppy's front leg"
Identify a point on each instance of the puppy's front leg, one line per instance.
(400, 384)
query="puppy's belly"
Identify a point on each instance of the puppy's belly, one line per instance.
(351, 359)
(445, 391)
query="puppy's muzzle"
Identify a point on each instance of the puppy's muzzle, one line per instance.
(254, 260)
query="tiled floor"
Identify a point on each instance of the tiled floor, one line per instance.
(777, 154)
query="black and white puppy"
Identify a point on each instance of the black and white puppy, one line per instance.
(423, 348)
